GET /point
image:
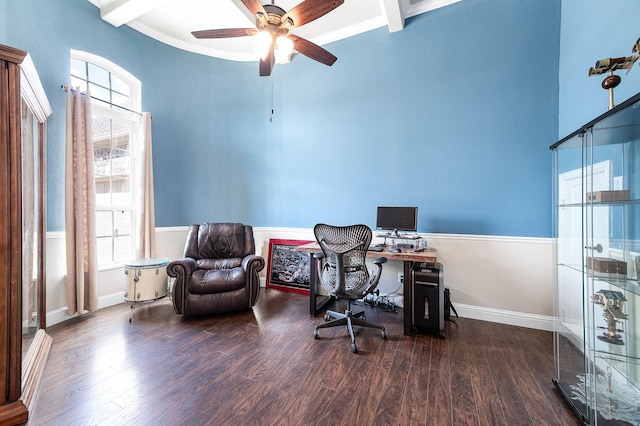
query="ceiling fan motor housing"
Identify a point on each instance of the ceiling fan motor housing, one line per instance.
(272, 8)
(273, 18)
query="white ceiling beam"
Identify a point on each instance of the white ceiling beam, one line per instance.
(423, 6)
(396, 12)
(119, 12)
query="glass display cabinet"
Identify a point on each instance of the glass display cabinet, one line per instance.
(596, 203)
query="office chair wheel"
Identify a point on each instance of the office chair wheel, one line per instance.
(354, 348)
(327, 317)
(383, 333)
(316, 334)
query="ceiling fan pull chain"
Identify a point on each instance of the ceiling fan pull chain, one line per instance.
(271, 116)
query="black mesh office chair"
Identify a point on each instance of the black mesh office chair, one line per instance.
(344, 273)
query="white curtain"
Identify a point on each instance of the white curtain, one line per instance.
(145, 232)
(80, 206)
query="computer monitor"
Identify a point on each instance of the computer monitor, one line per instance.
(397, 219)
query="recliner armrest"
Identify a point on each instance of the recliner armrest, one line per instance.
(253, 262)
(181, 270)
(181, 267)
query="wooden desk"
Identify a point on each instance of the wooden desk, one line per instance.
(317, 303)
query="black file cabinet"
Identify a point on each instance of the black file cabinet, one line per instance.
(428, 298)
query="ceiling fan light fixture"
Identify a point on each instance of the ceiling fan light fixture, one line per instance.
(263, 43)
(281, 59)
(284, 49)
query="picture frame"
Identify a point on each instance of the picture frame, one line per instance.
(287, 269)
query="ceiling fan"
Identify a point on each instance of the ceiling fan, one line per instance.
(272, 31)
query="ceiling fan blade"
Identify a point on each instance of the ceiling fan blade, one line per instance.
(266, 64)
(310, 10)
(225, 33)
(254, 7)
(312, 50)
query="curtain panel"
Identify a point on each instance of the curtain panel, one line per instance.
(80, 206)
(145, 229)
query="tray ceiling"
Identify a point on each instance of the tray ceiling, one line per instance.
(171, 21)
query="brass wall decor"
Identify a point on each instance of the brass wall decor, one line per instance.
(609, 65)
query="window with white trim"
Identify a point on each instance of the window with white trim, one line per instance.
(115, 105)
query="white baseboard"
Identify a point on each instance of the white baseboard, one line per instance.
(538, 322)
(520, 319)
(60, 315)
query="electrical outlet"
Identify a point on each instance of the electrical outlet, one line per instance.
(400, 277)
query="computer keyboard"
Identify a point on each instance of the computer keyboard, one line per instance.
(375, 248)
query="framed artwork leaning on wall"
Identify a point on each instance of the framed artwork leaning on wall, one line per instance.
(287, 269)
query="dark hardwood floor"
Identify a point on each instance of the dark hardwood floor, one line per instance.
(263, 367)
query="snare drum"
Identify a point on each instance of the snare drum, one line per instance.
(146, 279)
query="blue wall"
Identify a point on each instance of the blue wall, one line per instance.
(593, 30)
(453, 114)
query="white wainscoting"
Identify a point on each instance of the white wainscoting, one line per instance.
(508, 280)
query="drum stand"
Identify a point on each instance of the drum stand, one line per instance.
(136, 278)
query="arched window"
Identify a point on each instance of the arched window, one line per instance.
(116, 108)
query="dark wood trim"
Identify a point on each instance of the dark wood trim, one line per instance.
(12, 410)
(42, 231)
(5, 101)
(11, 54)
(13, 413)
(19, 382)
(15, 223)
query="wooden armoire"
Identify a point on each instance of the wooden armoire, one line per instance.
(24, 344)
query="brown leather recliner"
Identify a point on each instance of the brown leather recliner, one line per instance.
(219, 271)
